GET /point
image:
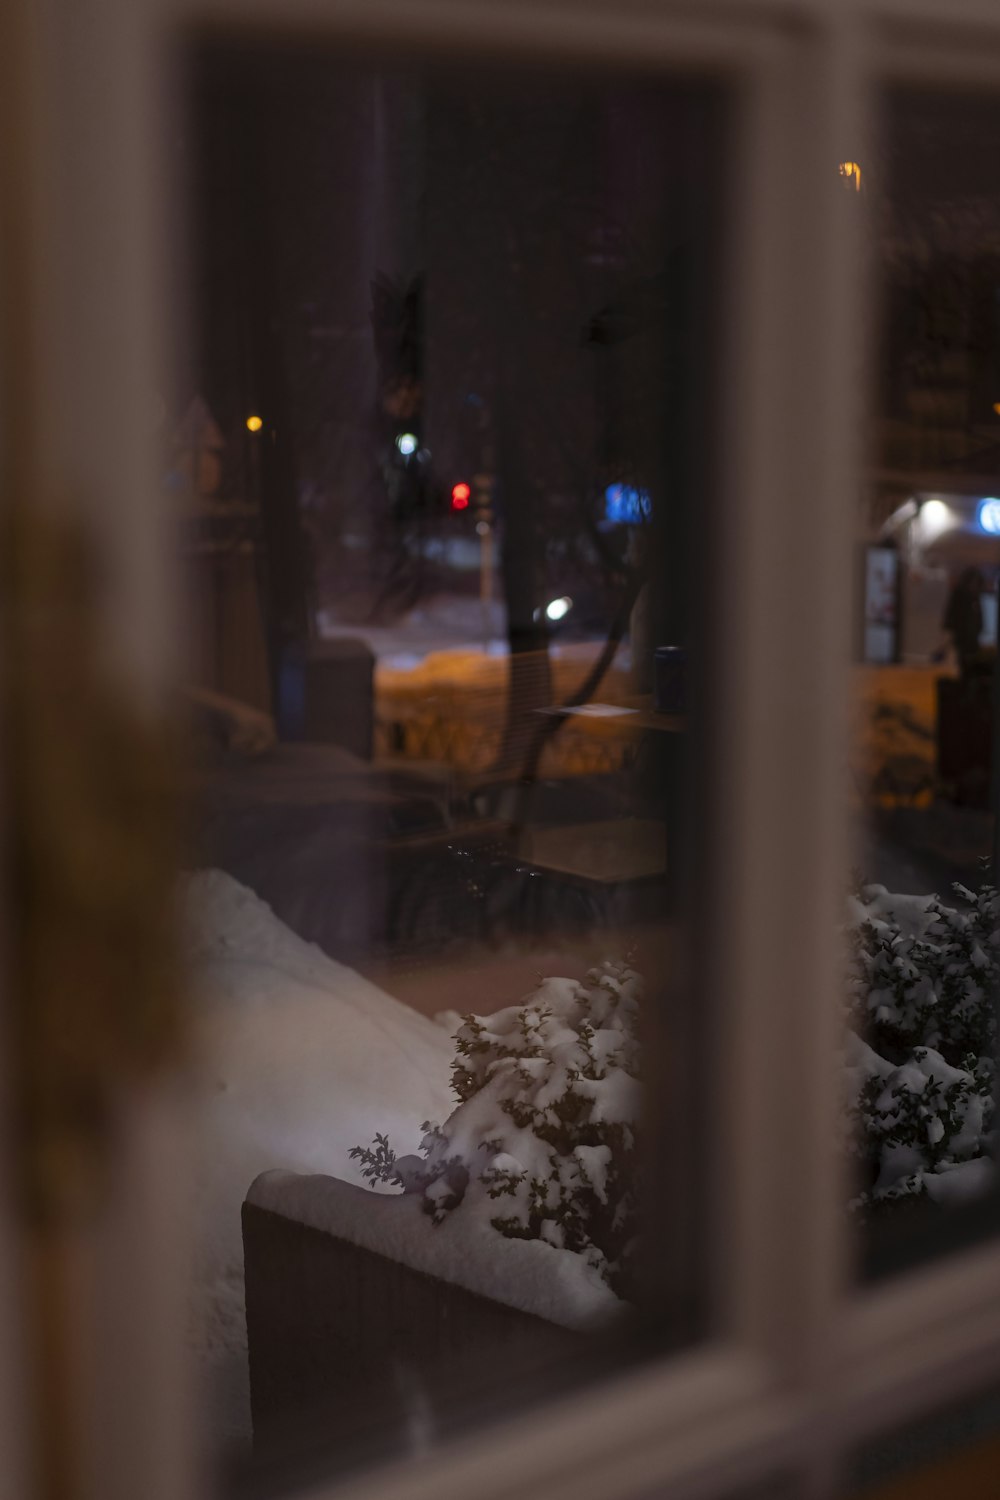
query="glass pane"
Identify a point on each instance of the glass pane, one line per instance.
(952, 1451)
(443, 457)
(922, 932)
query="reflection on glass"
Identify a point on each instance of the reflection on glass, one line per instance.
(439, 448)
(923, 946)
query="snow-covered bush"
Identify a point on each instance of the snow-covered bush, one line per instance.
(923, 991)
(542, 1141)
(925, 974)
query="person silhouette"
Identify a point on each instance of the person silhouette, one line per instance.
(963, 617)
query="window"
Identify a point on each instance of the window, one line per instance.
(443, 466)
(782, 1365)
(923, 747)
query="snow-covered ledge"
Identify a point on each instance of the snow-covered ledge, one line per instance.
(463, 1250)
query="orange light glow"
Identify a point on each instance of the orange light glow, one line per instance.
(254, 424)
(852, 171)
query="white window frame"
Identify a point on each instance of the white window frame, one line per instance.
(803, 1363)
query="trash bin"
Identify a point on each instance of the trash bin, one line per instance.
(327, 694)
(964, 737)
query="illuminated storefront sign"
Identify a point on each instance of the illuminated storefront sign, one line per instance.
(988, 516)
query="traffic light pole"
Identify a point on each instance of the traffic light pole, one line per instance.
(483, 489)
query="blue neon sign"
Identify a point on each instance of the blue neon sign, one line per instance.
(988, 516)
(624, 505)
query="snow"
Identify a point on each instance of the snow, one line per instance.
(443, 637)
(862, 1062)
(300, 1059)
(594, 1163)
(535, 1082)
(462, 1248)
(616, 1097)
(961, 1182)
(913, 915)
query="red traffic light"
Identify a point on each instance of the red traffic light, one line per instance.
(460, 494)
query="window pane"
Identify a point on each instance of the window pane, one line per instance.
(443, 456)
(946, 1452)
(923, 938)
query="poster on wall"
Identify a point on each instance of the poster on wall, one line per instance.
(881, 604)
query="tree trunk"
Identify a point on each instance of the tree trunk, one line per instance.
(287, 572)
(529, 680)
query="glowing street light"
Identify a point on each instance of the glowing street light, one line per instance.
(852, 171)
(406, 443)
(935, 518)
(558, 609)
(254, 424)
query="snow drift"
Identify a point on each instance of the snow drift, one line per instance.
(299, 1057)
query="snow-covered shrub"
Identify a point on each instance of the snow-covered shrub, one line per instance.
(925, 974)
(922, 989)
(542, 1140)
